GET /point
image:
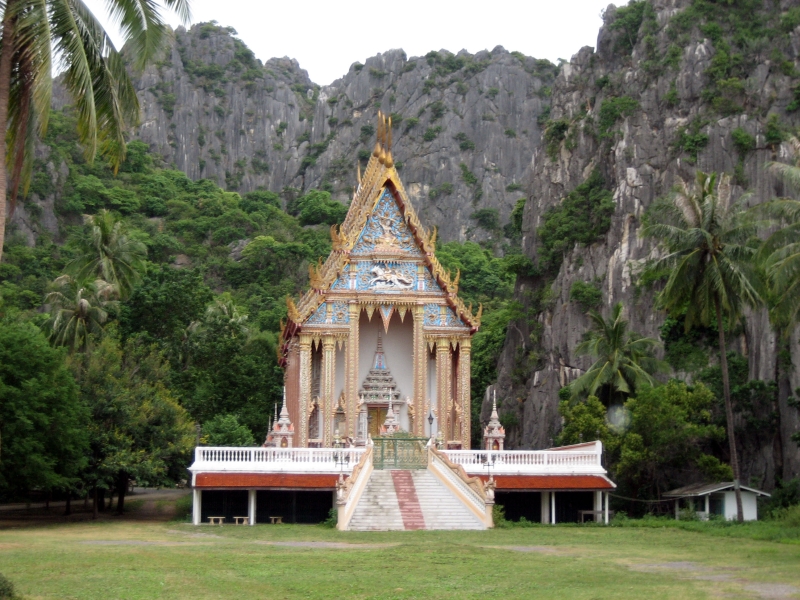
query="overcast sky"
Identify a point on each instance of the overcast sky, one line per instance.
(327, 37)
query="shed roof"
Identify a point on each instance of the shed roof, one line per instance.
(702, 489)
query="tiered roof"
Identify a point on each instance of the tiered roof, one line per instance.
(380, 175)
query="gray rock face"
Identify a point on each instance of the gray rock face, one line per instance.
(641, 161)
(468, 129)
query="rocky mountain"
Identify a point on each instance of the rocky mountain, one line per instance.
(465, 126)
(673, 86)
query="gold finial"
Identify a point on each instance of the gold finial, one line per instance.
(480, 313)
(358, 172)
(456, 280)
(389, 161)
(293, 313)
(382, 137)
(432, 240)
(376, 152)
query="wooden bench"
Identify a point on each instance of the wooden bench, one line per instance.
(276, 520)
(241, 520)
(216, 520)
(583, 513)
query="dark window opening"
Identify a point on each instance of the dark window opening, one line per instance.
(569, 503)
(293, 506)
(519, 505)
(223, 503)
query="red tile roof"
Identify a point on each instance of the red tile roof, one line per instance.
(552, 482)
(266, 480)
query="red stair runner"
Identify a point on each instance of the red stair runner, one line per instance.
(410, 509)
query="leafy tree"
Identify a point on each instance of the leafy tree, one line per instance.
(317, 207)
(42, 421)
(624, 361)
(79, 311)
(164, 304)
(586, 422)
(138, 429)
(664, 443)
(225, 430)
(94, 76)
(109, 253)
(711, 264)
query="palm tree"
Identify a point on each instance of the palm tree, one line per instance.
(712, 268)
(110, 254)
(623, 361)
(33, 32)
(80, 311)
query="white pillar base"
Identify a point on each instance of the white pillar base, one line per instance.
(251, 506)
(197, 499)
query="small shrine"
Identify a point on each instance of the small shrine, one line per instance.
(494, 434)
(381, 299)
(282, 431)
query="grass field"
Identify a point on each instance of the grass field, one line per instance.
(135, 559)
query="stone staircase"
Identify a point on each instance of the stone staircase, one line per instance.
(406, 500)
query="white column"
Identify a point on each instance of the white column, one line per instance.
(598, 506)
(197, 498)
(545, 507)
(251, 506)
(552, 508)
(605, 515)
(708, 506)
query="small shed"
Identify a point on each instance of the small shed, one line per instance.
(717, 499)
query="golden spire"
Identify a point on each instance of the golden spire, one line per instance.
(389, 161)
(376, 152)
(382, 137)
(358, 172)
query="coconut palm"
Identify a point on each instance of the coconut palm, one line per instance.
(80, 309)
(712, 269)
(624, 361)
(94, 75)
(109, 253)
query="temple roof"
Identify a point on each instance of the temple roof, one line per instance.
(366, 231)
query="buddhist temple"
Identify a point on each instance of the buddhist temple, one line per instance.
(381, 314)
(375, 414)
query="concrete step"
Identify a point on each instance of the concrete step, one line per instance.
(410, 499)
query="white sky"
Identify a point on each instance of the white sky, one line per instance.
(327, 37)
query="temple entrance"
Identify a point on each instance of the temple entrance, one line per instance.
(376, 415)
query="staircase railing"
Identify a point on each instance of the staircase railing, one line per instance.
(349, 491)
(470, 490)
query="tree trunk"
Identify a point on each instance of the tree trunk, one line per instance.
(6, 50)
(783, 389)
(68, 507)
(94, 502)
(122, 487)
(726, 390)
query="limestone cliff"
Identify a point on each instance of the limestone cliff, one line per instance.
(646, 108)
(465, 125)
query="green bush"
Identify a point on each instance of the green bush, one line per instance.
(225, 430)
(774, 131)
(431, 133)
(445, 189)
(613, 109)
(467, 176)
(510, 133)
(743, 141)
(583, 217)
(691, 140)
(464, 143)
(487, 218)
(554, 134)
(627, 21)
(6, 589)
(587, 295)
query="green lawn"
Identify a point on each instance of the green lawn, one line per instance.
(128, 559)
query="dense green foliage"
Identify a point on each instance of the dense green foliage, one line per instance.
(583, 216)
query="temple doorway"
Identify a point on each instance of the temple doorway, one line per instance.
(376, 415)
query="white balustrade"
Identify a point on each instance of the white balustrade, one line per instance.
(527, 462)
(275, 460)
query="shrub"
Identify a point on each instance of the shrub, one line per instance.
(691, 140)
(774, 132)
(431, 133)
(743, 141)
(467, 176)
(492, 92)
(510, 133)
(6, 589)
(581, 218)
(613, 109)
(438, 109)
(586, 295)
(464, 143)
(412, 122)
(554, 134)
(444, 189)
(225, 430)
(513, 187)
(628, 20)
(487, 218)
(367, 131)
